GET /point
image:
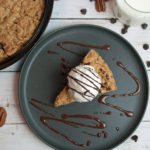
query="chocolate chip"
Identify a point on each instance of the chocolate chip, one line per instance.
(125, 29)
(148, 63)
(83, 11)
(113, 20)
(144, 26)
(101, 70)
(2, 45)
(107, 76)
(145, 46)
(134, 138)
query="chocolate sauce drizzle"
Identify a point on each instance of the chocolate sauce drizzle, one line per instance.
(39, 108)
(103, 98)
(105, 134)
(91, 134)
(52, 52)
(60, 44)
(99, 125)
(117, 129)
(104, 113)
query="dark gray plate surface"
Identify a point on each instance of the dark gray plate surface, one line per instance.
(41, 79)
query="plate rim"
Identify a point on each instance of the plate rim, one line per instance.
(23, 70)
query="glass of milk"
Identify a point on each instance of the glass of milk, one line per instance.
(132, 12)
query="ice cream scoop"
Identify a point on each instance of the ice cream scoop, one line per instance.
(83, 83)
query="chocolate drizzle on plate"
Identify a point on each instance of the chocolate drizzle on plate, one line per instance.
(104, 113)
(103, 98)
(88, 143)
(52, 52)
(60, 45)
(98, 135)
(117, 128)
(99, 125)
(105, 134)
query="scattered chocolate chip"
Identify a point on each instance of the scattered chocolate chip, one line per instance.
(148, 63)
(125, 29)
(83, 11)
(144, 26)
(134, 138)
(145, 46)
(113, 20)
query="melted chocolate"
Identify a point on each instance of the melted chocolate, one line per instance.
(117, 129)
(66, 67)
(63, 59)
(121, 114)
(63, 73)
(43, 120)
(88, 143)
(52, 52)
(103, 98)
(90, 134)
(71, 123)
(100, 124)
(60, 44)
(41, 109)
(105, 134)
(104, 113)
(40, 102)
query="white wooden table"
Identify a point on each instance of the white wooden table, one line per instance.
(15, 134)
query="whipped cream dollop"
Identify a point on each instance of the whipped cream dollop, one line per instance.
(84, 83)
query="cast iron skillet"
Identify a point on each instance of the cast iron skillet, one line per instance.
(44, 22)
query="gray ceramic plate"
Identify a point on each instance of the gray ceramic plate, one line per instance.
(40, 78)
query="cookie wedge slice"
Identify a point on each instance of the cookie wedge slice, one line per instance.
(108, 82)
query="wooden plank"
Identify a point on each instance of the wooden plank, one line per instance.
(71, 9)
(20, 137)
(9, 98)
(136, 36)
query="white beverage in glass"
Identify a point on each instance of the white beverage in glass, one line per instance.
(132, 12)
